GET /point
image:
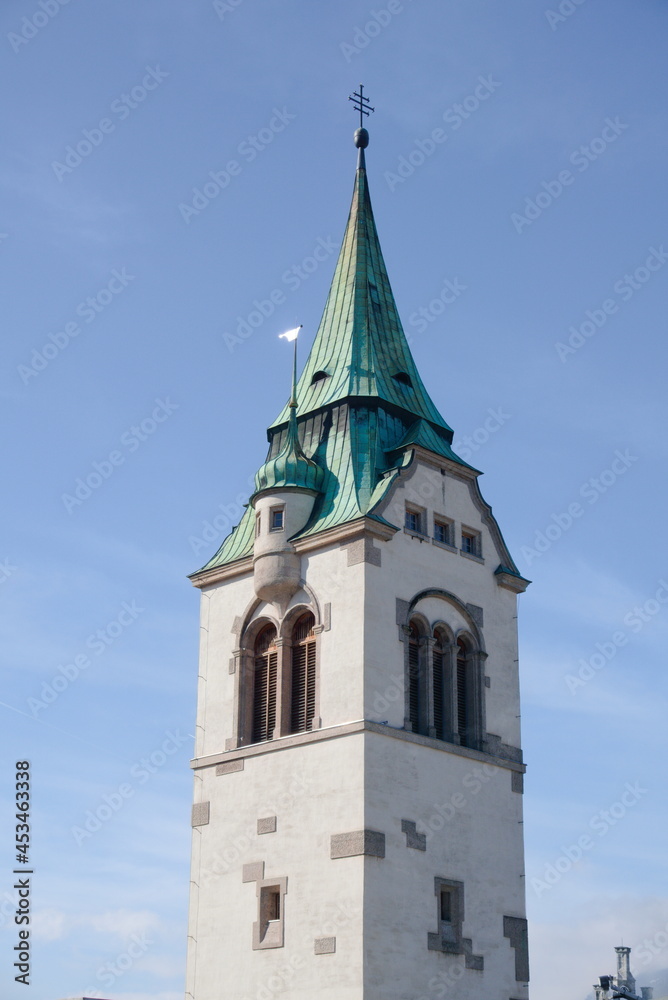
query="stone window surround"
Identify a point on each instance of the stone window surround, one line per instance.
(475, 659)
(244, 668)
(269, 933)
(277, 509)
(450, 939)
(421, 513)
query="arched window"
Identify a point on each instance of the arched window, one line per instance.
(265, 684)
(414, 684)
(303, 675)
(463, 695)
(439, 673)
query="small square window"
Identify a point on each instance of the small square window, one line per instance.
(413, 520)
(471, 542)
(277, 518)
(443, 531)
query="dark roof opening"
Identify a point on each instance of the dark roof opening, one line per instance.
(403, 379)
(319, 377)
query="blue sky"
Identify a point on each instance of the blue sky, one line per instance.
(541, 200)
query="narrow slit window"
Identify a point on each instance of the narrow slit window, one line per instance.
(273, 904)
(446, 906)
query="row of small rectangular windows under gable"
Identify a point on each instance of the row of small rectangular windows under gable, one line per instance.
(416, 522)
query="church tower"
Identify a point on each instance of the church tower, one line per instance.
(357, 821)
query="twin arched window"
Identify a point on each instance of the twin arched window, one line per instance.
(443, 687)
(282, 687)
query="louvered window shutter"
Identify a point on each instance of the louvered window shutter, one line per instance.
(462, 695)
(438, 690)
(264, 690)
(303, 675)
(414, 680)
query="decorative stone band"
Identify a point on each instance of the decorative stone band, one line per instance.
(515, 929)
(351, 845)
(233, 757)
(324, 946)
(201, 813)
(418, 841)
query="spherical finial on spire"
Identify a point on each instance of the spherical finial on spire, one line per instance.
(361, 138)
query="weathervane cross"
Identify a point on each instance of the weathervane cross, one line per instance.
(361, 104)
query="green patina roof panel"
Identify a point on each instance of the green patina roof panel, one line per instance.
(360, 343)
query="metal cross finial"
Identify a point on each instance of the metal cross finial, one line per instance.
(361, 104)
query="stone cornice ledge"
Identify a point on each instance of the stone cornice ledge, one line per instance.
(336, 732)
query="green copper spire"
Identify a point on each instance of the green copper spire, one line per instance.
(363, 408)
(360, 349)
